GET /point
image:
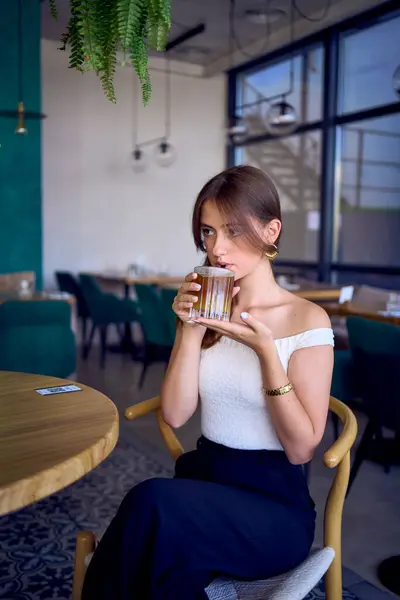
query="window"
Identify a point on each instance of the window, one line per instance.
(361, 178)
(274, 80)
(389, 282)
(294, 165)
(369, 60)
(369, 223)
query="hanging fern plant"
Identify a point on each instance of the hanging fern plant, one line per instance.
(98, 29)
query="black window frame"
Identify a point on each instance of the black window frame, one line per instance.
(329, 38)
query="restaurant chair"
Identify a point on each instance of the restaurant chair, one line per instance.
(167, 299)
(105, 310)
(36, 337)
(157, 333)
(371, 298)
(344, 385)
(375, 348)
(293, 585)
(67, 282)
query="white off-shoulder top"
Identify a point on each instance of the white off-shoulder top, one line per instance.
(234, 409)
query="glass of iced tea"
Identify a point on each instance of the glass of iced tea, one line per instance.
(215, 297)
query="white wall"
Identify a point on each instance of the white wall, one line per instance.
(97, 213)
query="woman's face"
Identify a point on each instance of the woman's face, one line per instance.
(225, 244)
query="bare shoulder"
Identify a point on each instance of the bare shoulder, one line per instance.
(305, 315)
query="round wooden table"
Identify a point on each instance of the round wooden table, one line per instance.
(50, 441)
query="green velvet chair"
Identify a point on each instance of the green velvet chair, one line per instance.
(105, 310)
(157, 333)
(167, 299)
(36, 337)
(375, 348)
(344, 385)
(68, 283)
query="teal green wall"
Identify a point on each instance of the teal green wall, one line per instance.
(20, 160)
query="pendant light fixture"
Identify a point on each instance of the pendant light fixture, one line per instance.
(281, 117)
(139, 158)
(165, 153)
(21, 127)
(19, 113)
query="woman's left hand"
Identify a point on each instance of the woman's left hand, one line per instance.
(249, 331)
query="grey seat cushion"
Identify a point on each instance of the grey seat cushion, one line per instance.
(293, 585)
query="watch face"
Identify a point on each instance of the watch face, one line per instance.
(396, 81)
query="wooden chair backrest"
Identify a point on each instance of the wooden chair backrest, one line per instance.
(338, 455)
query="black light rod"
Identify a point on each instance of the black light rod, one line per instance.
(187, 35)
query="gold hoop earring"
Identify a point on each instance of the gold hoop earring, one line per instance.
(272, 255)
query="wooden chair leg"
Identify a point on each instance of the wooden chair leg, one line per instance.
(333, 529)
(85, 544)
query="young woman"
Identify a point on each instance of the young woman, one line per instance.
(239, 505)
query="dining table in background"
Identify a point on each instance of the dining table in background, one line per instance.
(127, 282)
(351, 309)
(6, 296)
(306, 288)
(49, 441)
(310, 290)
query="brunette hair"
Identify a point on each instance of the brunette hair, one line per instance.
(239, 193)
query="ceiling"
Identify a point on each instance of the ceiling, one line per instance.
(211, 49)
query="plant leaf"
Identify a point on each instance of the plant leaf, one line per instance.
(106, 32)
(129, 20)
(165, 12)
(139, 51)
(74, 37)
(53, 9)
(98, 29)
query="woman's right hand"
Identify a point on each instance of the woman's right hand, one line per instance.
(186, 297)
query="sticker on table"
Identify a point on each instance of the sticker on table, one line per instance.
(60, 389)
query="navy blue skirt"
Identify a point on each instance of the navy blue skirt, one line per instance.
(244, 514)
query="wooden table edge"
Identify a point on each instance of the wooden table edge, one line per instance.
(41, 485)
(325, 294)
(158, 280)
(347, 310)
(71, 300)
